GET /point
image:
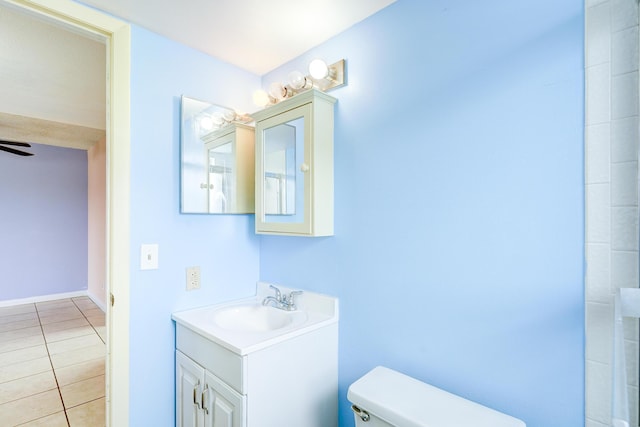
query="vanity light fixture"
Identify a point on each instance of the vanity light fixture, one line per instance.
(298, 81)
(326, 77)
(321, 76)
(207, 122)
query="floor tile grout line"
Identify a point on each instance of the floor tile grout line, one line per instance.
(7, 313)
(89, 321)
(96, 332)
(28, 315)
(88, 401)
(55, 376)
(21, 348)
(23, 378)
(16, 329)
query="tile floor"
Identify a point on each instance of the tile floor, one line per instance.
(52, 357)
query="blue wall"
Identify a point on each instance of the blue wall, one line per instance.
(224, 246)
(458, 254)
(458, 247)
(43, 242)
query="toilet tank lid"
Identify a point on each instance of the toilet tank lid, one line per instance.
(404, 401)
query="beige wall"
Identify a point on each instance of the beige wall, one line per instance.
(97, 165)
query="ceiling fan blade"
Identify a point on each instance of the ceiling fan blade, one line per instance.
(18, 144)
(12, 151)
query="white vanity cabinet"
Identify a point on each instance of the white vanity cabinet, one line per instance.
(230, 154)
(294, 166)
(203, 400)
(293, 382)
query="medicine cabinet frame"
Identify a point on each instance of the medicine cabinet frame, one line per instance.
(237, 174)
(314, 166)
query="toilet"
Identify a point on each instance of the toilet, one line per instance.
(386, 398)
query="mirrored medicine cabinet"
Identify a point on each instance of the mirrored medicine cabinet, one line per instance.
(294, 166)
(217, 160)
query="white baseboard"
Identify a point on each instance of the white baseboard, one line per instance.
(97, 301)
(42, 298)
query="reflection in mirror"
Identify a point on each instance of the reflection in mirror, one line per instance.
(279, 170)
(220, 178)
(209, 165)
(283, 156)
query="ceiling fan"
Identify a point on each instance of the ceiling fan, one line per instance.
(13, 150)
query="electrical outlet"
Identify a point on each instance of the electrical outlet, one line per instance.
(193, 278)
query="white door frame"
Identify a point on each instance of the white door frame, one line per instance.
(117, 36)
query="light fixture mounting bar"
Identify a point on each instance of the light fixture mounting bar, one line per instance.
(335, 79)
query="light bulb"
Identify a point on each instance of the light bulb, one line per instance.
(297, 80)
(206, 123)
(277, 91)
(261, 98)
(241, 116)
(229, 115)
(217, 119)
(318, 69)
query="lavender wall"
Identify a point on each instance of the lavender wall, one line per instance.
(43, 243)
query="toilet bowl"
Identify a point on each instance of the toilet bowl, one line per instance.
(386, 398)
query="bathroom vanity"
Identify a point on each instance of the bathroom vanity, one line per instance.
(244, 364)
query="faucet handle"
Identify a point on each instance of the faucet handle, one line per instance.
(278, 293)
(289, 300)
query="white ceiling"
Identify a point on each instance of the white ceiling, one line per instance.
(52, 80)
(257, 35)
(49, 75)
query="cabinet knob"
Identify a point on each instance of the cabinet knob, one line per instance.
(304, 167)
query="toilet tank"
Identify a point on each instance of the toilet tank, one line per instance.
(388, 398)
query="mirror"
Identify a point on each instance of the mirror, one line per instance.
(279, 170)
(217, 159)
(282, 186)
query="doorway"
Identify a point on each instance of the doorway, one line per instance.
(116, 36)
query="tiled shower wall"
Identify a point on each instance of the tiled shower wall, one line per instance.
(612, 95)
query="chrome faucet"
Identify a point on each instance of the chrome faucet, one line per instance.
(283, 302)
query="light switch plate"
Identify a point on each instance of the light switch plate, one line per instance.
(149, 257)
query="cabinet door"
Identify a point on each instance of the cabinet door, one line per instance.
(294, 166)
(230, 159)
(189, 379)
(222, 405)
(222, 174)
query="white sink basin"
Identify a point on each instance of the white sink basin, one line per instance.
(255, 318)
(245, 325)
